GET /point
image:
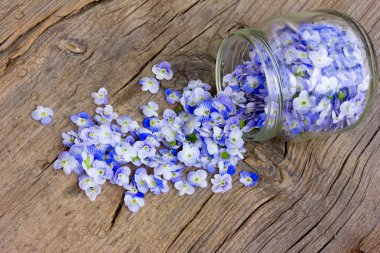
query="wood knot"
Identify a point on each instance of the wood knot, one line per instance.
(72, 46)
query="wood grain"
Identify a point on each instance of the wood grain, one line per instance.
(315, 196)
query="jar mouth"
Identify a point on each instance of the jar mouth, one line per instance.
(232, 52)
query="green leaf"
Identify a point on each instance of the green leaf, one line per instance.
(242, 123)
(224, 155)
(172, 143)
(134, 159)
(341, 96)
(178, 109)
(299, 72)
(192, 138)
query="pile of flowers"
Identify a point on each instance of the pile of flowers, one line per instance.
(203, 136)
(324, 79)
(325, 76)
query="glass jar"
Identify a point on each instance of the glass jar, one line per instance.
(302, 76)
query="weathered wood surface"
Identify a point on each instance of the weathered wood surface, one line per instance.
(316, 196)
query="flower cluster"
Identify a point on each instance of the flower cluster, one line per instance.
(324, 80)
(205, 133)
(247, 86)
(324, 76)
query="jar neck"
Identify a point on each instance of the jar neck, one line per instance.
(232, 53)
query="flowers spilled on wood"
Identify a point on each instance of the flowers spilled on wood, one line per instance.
(206, 133)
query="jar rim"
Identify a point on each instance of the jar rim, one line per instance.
(256, 38)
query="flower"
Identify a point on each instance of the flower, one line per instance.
(68, 163)
(133, 203)
(197, 178)
(121, 176)
(69, 138)
(106, 114)
(347, 109)
(248, 179)
(150, 109)
(172, 96)
(184, 187)
(150, 83)
(163, 70)
(328, 85)
(235, 139)
(221, 183)
(188, 155)
(42, 114)
(86, 182)
(82, 119)
(100, 171)
(166, 170)
(320, 58)
(212, 147)
(93, 191)
(100, 97)
(303, 103)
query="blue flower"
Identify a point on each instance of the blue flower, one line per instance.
(82, 119)
(100, 97)
(42, 114)
(106, 114)
(172, 96)
(150, 109)
(93, 192)
(121, 176)
(133, 203)
(149, 83)
(221, 183)
(249, 179)
(197, 178)
(100, 171)
(69, 138)
(226, 168)
(163, 70)
(68, 163)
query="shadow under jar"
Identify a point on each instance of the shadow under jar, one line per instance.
(299, 76)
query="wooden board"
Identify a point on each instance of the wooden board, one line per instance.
(315, 196)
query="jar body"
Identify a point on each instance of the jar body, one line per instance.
(304, 75)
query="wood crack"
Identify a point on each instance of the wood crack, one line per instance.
(116, 213)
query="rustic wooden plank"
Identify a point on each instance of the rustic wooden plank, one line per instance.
(316, 196)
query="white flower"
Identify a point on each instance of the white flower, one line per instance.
(198, 178)
(347, 109)
(67, 162)
(93, 192)
(303, 103)
(163, 70)
(184, 187)
(133, 203)
(320, 58)
(168, 133)
(150, 109)
(313, 36)
(212, 147)
(323, 105)
(42, 114)
(221, 183)
(235, 139)
(149, 83)
(188, 155)
(327, 85)
(100, 97)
